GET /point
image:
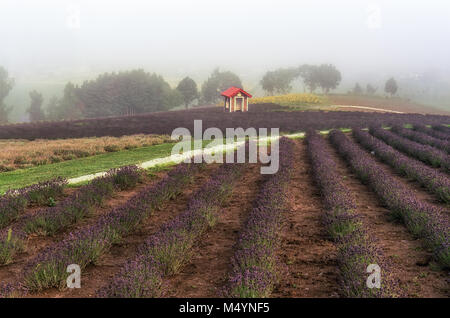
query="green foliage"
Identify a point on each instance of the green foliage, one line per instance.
(188, 89)
(357, 90)
(115, 94)
(35, 109)
(325, 76)
(279, 81)
(391, 86)
(217, 83)
(6, 84)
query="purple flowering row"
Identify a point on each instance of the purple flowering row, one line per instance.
(81, 203)
(14, 202)
(166, 251)
(425, 153)
(340, 218)
(255, 270)
(434, 131)
(85, 246)
(422, 219)
(356, 249)
(422, 138)
(442, 128)
(435, 181)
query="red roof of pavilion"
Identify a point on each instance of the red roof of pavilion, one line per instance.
(233, 91)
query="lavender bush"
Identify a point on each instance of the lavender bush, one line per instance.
(422, 138)
(255, 270)
(340, 218)
(442, 128)
(84, 247)
(259, 116)
(81, 203)
(421, 218)
(425, 153)
(355, 248)
(165, 252)
(435, 181)
(436, 133)
(51, 220)
(14, 202)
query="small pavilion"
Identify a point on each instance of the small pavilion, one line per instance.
(236, 100)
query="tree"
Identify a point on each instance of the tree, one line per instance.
(188, 89)
(218, 82)
(6, 84)
(279, 81)
(391, 86)
(309, 75)
(70, 105)
(328, 77)
(115, 94)
(370, 90)
(35, 109)
(53, 109)
(357, 90)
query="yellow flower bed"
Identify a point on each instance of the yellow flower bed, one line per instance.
(289, 100)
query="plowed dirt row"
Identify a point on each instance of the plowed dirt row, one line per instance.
(309, 257)
(95, 276)
(36, 243)
(206, 273)
(410, 261)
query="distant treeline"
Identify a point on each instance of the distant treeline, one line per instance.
(136, 91)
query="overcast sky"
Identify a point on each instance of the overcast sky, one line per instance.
(186, 36)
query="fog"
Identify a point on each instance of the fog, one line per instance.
(51, 42)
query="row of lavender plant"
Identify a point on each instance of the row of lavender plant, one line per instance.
(442, 128)
(14, 202)
(255, 270)
(356, 248)
(85, 246)
(166, 251)
(425, 153)
(435, 181)
(422, 219)
(432, 132)
(80, 204)
(422, 138)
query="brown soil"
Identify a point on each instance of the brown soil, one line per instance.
(98, 275)
(410, 262)
(311, 269)
(206, 273)
(36, 243)
(420, 192)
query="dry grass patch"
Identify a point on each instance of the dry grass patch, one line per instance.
(19, 154)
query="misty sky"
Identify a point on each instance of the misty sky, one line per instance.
(189, 36)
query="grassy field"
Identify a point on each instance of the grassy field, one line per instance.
(78, 167)
(84, 166)
(296, 101)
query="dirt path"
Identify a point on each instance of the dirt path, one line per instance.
(310, 258)
(96, 276)
(369, 108)
(410, 262)
(206, 273)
